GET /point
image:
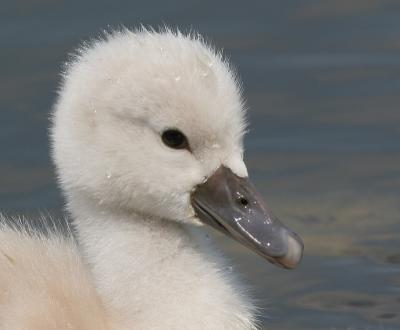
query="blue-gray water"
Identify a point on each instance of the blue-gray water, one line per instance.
(322, 81)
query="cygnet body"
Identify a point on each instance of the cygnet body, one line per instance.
(147, 140)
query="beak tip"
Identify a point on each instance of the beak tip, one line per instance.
(294, 253)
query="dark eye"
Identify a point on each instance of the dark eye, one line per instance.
(175, 139)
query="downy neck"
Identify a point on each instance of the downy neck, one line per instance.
(153, 273)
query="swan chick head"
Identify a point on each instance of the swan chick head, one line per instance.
(152, 123)
(120, 95)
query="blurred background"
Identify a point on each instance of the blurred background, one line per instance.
(322, 82)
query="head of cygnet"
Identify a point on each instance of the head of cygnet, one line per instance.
(153, 123)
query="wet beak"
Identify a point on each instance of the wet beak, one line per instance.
(231, 205)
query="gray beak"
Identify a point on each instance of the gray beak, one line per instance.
(232, 205)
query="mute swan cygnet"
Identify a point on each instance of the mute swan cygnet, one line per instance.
(147, 141)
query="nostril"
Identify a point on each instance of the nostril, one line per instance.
(243, 201)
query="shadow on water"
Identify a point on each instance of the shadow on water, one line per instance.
(322, 81)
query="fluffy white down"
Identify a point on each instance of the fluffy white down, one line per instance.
(44, 284)
(142, 262)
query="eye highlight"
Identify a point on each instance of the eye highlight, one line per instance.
(175, 139)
